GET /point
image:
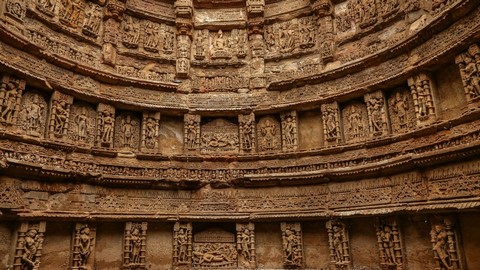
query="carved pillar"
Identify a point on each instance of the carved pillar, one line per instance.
(59, 115)
(247, 133)
(292, 244)
(339, 245)
(191, 126)
(377, 114)
(83, 253)
(331, 123)
(135, 246)
(389, 244)
(421, 87)
(11, 91)
(113, 14)
(105, 126)
(324, 12)
(150, 131)
(255, 23)
(246, 245)
(29, 245)
(445, 245)
(184, 22)
(289, 131)
(182, 245)
(469, 65)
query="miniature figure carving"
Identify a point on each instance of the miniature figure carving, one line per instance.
(400, 107)
(389, 245)
(182, 244)
(84, 247)
(247, 131)
(47, 5)
(9, 102)
(292, 245)
(34, 113)
(61, 115)
(289, 130)
(127, 132)
(131, 32)
(192, 130)
(93, 18)
(469, 64)
(269, 135)
(31, 244)
(376, 113)
(339, 244)
(150, 132)
(71, 12)
(135, 245)
(330, 116)
(82, 124)
(444, 243)
(182, 239)
(151, 37)
(107, 124)
(420, 87)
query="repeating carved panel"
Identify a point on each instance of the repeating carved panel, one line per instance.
(220, 135)
(105, 126)
(135, 245)
(289, 131)
(469, 65)
(377, 114)
(401, 111)
(331, 123)
(355, 122)
(11, 91)
(60, 105)
(292, 244)
(339, 244)
(28, 249)
(246, 245)
(268, 134)
(191, 128)
(182, 245)
(33, 115)
(127, 132)
(150, 131)
(83, 253)
(445, 244)
(247, 132)
(389, 244)
(82, 124)
(421, 88)
(214, 249)
(15, 9)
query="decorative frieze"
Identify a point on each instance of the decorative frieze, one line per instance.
(29, 246)
(135, 246)
(58, 125)
(292, 245)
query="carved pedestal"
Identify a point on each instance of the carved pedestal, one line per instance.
(292, 245)
(83, 247)
(134, 246)
(339, 245)
(29, 245)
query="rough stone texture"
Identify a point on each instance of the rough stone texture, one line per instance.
(108, 247)
(6, 233)
(269, 244)
(56, 249)
(159, 245)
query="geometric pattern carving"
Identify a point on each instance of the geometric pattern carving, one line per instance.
(292, 245)
(339, 245)
(28, 250)
(134, 252)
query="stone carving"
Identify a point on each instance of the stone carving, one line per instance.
(401, 110)
(377, 114)
(134, 252)
(363, 12)
(221, 84)
(389, 244)
(339, 244)
(127, 132)
(331, 122)
(183, 55)
(28, 250)
(152, 36)
(247, 132)
(268, 134)
(11, 91)
(92, 21)
(246, 245)
(182, 244)
(83, 247)
(220, 135)
(289, 131)
(82, 124)
(33, 114)
(445, 245)
(16, 8)
(105, 125)
(355, 122)
(201, 44)
(469, 64)
(292, 245)
(192, 132)
(421, 90)
(72, 12)
(47, 6)
(214, 248)
(150, 131)
(59, 115)
(131, 32)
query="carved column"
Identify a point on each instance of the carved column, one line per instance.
(11, 91)
(421, 87)
(184, 22)
(182, 245)
(105, 126)
(191, 125)
(469, 65)
(255, 23)
(389, 244)
(113, 15)
(289, 131)
(247, 133)
(331, 123)
(29, 245)
(150, 132)
(339, 245)
(59, 115)
(135, 246)
(324, 12)
(246, 245)
(292, 244)
(83, 253)
(377, 114)
(445, 245)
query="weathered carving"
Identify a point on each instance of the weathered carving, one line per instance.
(289, 131)
(72, 12)
(183, 55)
(82, 124)
(47, 6)
(131, 32)
(268, 134)
(191, 124)
(364, 12)
(127, 132)
(182, 244)
(33, 114)
(28, 250)
(16, 9)
(134, 248)
(221, 84)
(377, 114)
(214, 248)
(11, 91)
(105, 125)
(114, 10)
(401, 110)
(92, 20)
(469, 64)
(59, 115)
(246, 245)
(421, 88)
(355, 122)
(219, 135)
(445, 245)
(339, 245)
(83, 254)
(389, 244)
(331, 122)
(150, 131)
(292, 245)
(247, 132)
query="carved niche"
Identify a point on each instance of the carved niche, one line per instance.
(58, 123)
(445, 245)
(469, 65)
(268, 134)
(292, 245)
(401, 111)
(83, 245)
(28, 249)
(82, 124)
(247, 132)
(134, 247)
(15, 8)
(201, 44)
(150, 131)
(355, 119)
(11, 91)
(214, 248)
(191, 127)
(105, 125)
(421, 88)
(127, 132)
(156, 38)
(377, 114)
(289, 131)
(72, 12)
(47, 6)
(339, 245)
(389, 244)
(227, 44)
(246, 245)
(331, 123)
(182, 245)
(33, 115)
(92, 21)
(220, 135)
(131, 32)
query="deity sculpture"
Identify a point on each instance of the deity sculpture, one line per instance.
(82, 125)
(400, 107)
(292, 245)
(150, 132)
(135, 245)
(127, 132)
(107, 123)
(269, 131)
(339, 244)
(60, 116)
(34, 113)
(84, 248)
(331, 123)
(182, 239)
(9, 102)
(31, 244)
(444, 245)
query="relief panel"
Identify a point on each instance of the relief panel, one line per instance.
(331, 123)
(390, 244)
(105, 126)
(469, 65)
(355, 121)
(33, 114)
(289, 131)
(247, 132)
(445, 244)
(182, 245)
(292, 245)
(134, 246)
(60, 105)
(191, 132)
(28, 250)
(220, 135)
(268, 134)
(421, 88)
(127, 132)
(214, 249)
(339, 244)
(11, 91)
(150, 131)
(83, 245)
(82, 124)
(246, 245)
(401, 111)
(377, 114)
